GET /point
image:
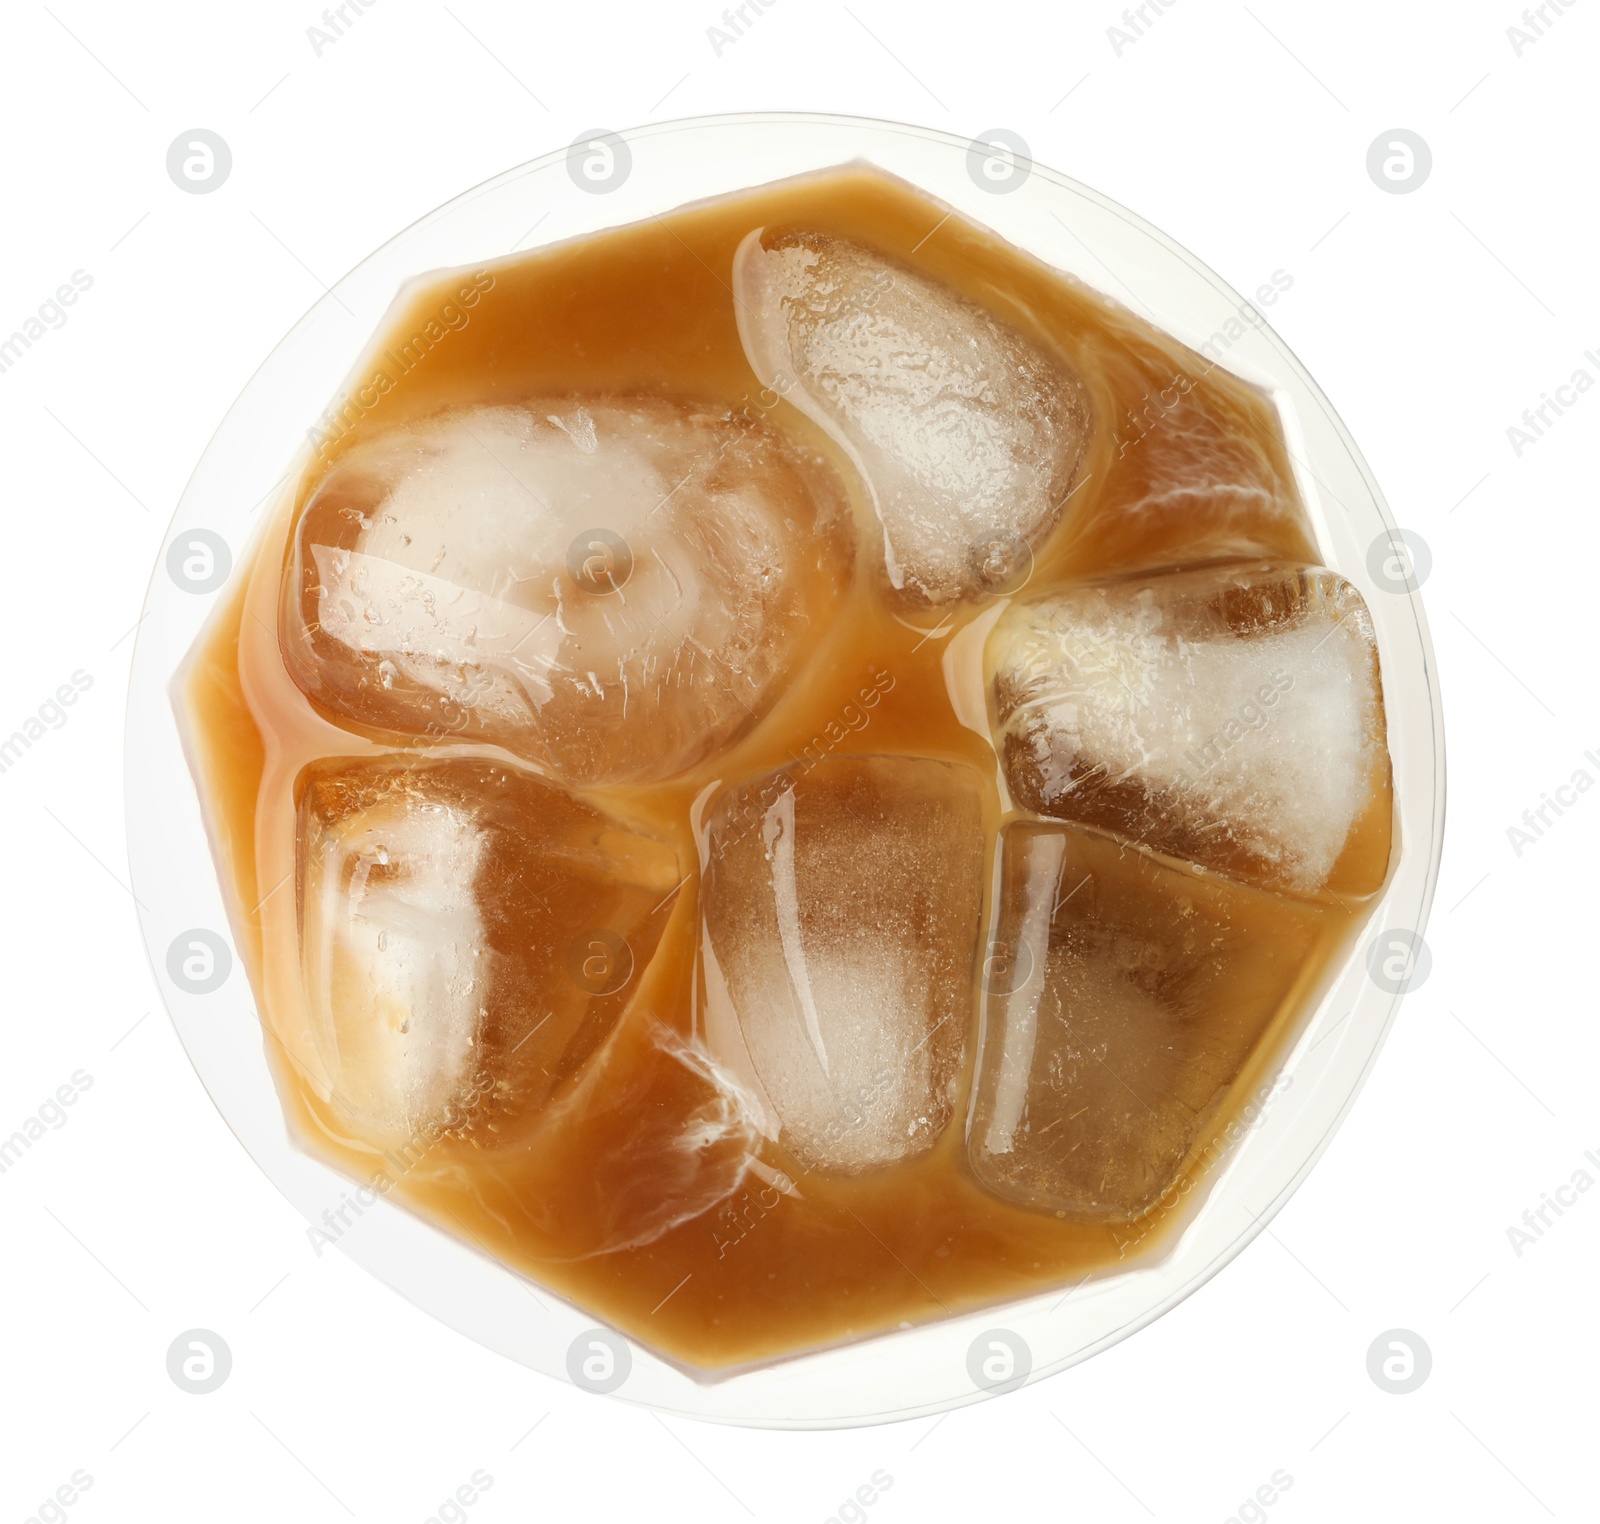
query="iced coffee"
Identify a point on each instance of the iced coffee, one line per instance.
(788, 771)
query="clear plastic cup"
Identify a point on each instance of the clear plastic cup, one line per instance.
(611, 179)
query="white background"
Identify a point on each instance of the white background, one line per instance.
(1432, 320)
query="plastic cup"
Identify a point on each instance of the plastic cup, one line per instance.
(607, 179)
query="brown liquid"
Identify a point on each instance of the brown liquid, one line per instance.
(765, 1272)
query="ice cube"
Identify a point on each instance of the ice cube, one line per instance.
(840, 904)
(1231, 716)
(665, 1136)
(469, 935)
(1199, 474)
(966, 432)
(1135, 994)
(609, 588)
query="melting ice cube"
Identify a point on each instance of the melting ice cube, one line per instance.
(1134, 995)
(469, 935)
(1231, 716)
(966, 433)
(611, 589)
(1199, 474)
(841, 905)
